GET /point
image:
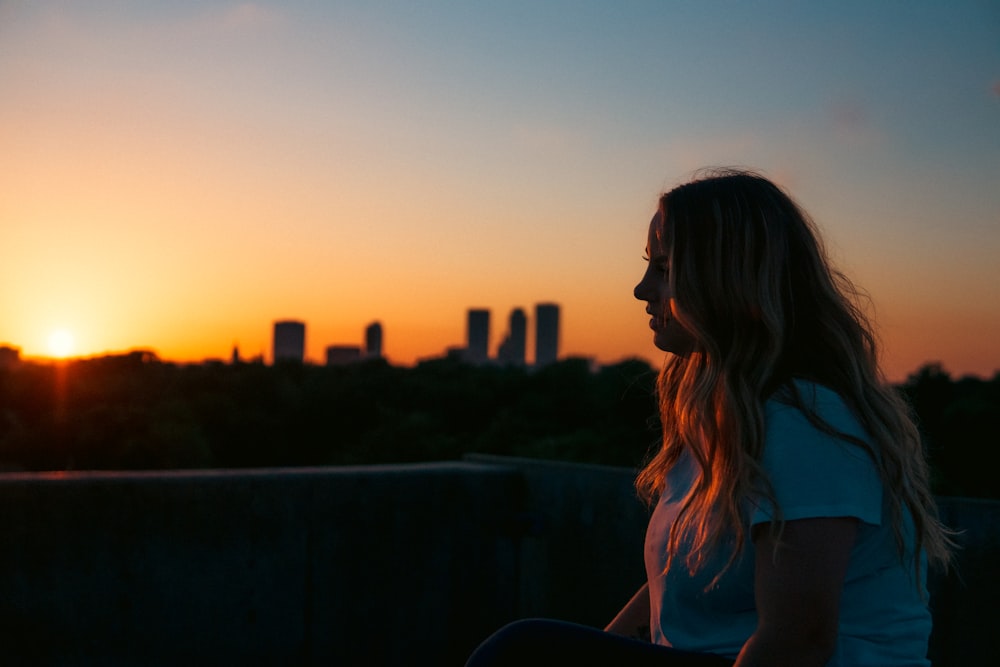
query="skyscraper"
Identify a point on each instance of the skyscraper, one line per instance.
(373, 340)
(289, 341)
(546, 333)
(513, 347)
(477, 339)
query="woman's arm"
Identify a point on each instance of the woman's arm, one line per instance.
(633, 619)
(797, 588)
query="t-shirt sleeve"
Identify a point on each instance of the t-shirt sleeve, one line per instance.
(813, 473)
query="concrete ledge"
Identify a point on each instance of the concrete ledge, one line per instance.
(966, 600)
(286, 567)
(585, 524)
(384, 565)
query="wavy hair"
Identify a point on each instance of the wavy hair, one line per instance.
(755, 288)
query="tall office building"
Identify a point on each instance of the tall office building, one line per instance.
(513, 348)
(289, 341)
(373, 340)
(546, 333)
(477, 338)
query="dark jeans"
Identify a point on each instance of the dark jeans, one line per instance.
(546, 642)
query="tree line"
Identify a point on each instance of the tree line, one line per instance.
(136, 412)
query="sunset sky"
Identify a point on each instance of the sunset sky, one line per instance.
(178, 175)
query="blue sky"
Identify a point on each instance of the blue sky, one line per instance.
(178, 175)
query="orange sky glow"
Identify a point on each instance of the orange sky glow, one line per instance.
(177, 178)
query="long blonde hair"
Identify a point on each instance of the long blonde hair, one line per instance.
(755, 288)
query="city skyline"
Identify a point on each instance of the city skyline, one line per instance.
(289, 341)
(176, 175)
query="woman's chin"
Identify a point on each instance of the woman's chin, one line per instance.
(673, 340)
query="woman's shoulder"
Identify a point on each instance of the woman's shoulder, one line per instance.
(807, 422)
(814, 402)
(817, 456)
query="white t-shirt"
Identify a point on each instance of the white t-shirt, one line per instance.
(884, 620)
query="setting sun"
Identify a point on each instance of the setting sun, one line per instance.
(61, 343)
(145, 206)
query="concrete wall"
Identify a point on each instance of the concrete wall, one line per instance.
(394, 565)
(362, 566)
(583, 532)
(966, 600)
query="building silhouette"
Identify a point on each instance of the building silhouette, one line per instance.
(9, 356)
(512, 350)
(339, 355)
(477, 339)
(373, 340)
(546, 333)
(289, 341)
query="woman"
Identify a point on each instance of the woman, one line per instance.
(793, 520)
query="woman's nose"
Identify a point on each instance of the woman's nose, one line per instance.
(641, 290)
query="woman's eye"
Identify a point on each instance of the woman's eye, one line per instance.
(659, 265)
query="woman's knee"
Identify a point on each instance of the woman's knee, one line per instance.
(518, 641)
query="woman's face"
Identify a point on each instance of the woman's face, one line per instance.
(655, 290)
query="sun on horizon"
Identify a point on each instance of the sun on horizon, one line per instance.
(61, 343)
